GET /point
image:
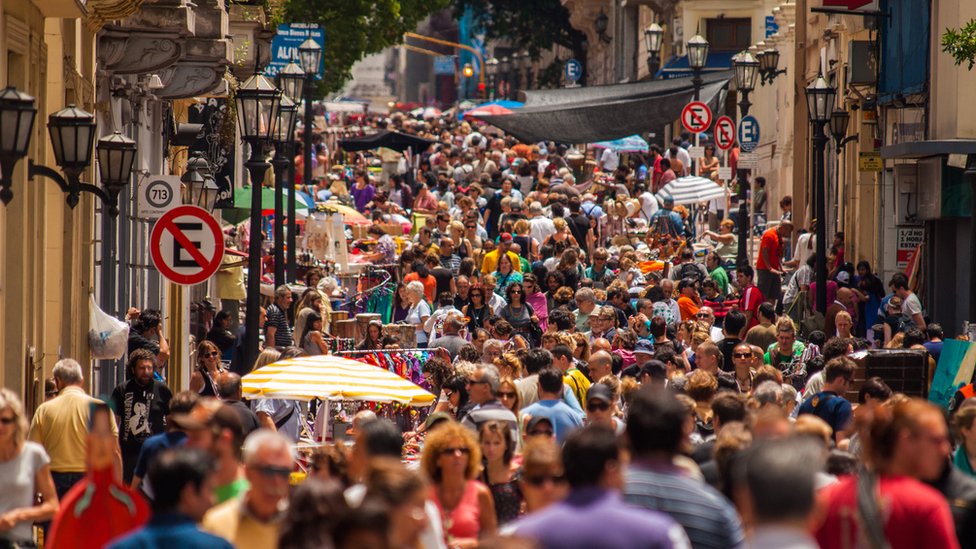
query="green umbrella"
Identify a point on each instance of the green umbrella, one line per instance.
(242, 204)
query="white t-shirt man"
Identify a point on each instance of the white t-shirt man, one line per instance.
(609, 160)
(649, 204)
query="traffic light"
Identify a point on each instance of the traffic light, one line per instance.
(481, 86)
(468, 71)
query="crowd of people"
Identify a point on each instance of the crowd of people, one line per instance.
(595, 387)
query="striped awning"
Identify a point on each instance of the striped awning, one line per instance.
(334, 378)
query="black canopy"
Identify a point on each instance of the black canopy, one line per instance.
(391, 140)
(601, 113)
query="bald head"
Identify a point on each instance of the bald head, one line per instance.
(601, 364)
(600, 344)
(844, 295)
(229, 386)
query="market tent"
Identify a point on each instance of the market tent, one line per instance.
(692, 190)
(350, 215)
(391, 140)
(632, 143)
(501, 106)
(334, 378)
(600, 113)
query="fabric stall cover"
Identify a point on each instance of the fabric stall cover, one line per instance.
(391, 140)
(602, 113)
(333, 378)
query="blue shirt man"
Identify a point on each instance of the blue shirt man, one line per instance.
(668, 221)
(551, 406)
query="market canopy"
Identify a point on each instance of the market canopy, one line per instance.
(334, 378)
(692, 190)
(391, 140)
(631, 143)
(601, 113)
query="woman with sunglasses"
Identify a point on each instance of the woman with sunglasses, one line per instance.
(498, 448)
(203, 380)
(454, 397)
(601, 407)
(25, 471)
(477, 310)
(452, 459)
(518, 313)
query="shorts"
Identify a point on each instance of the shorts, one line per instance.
(771, 285)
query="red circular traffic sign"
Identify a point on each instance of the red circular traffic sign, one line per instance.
(724, 133)
(696, 117)
(187, 245)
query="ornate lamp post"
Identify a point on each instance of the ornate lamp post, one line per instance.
(768, 63)
(17, 114)
(257, 115)
(697, 48)
(745, 67)
(310, 56)
(820, 106)
(491, 65)
(284, 136)
(653, 38)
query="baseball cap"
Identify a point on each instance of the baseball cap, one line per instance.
(505, 237)
(534, 421)
(599, 391)
(644, 346)
(435, 418)
(844, 277)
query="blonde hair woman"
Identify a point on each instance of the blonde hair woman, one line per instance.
(25, 470)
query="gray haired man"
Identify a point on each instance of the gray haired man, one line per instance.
(483, 392)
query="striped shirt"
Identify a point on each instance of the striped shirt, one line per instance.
(707, 517)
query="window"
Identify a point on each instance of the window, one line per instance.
(728, 34)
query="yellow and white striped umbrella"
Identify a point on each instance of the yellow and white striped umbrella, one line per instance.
(332, 377)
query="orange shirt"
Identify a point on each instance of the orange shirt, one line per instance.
(688, 308)
(430, 285)
(771, 242)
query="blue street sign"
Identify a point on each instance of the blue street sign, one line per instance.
(284, 46)
(444, 65)
(771, 26)
(573, 70)
(748, 134)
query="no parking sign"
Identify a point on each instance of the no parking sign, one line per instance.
(187, 245)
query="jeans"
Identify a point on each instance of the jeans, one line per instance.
(64, 481)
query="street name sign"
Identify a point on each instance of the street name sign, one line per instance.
(186, 245)
(696, 117)
(284, 47)
(158, 195)
(724, 133)
(748, 134)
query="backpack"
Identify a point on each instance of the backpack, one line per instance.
(690, 270)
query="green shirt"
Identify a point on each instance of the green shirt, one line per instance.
(721, 278)
(232, 490)
(526, 267)
(773, 354)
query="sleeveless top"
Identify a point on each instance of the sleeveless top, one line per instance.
(525, 245)
(464, 521)
(209, 388)
(507, 496)
(310, 347)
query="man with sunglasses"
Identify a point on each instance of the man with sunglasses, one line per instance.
(253, 519)
(600, 407)
(483, 387)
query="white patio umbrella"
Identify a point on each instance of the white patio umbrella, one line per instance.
(692, 190)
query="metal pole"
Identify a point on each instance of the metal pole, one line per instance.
(306, 180)
(742, 176)
(280, 164)
(819, 183)
(256, 166)
(971, 174)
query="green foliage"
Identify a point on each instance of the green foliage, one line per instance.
(356, 28)
(531, 25)
(961, 44)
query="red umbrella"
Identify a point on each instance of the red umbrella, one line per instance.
(488, 110)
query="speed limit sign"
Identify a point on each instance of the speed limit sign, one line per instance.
(158, 195)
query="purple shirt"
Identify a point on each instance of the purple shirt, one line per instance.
(594, 517)
(363, 196)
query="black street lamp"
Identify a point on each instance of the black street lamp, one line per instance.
(310, 56)
(653, 38)
(820, 106)
(517, 74)
(200, 182)
(17, 113)
(697, 59)
(284, 137)
(257, 114)
(745, 67)
(600, 26)
(491, 65)
(768, 63)
(72, 132)
(839, 120)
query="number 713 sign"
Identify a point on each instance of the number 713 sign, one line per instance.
(158, 195)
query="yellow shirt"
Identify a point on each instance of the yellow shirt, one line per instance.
(61, 426)
(232, 522)
(578, 383)
(490, 263)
